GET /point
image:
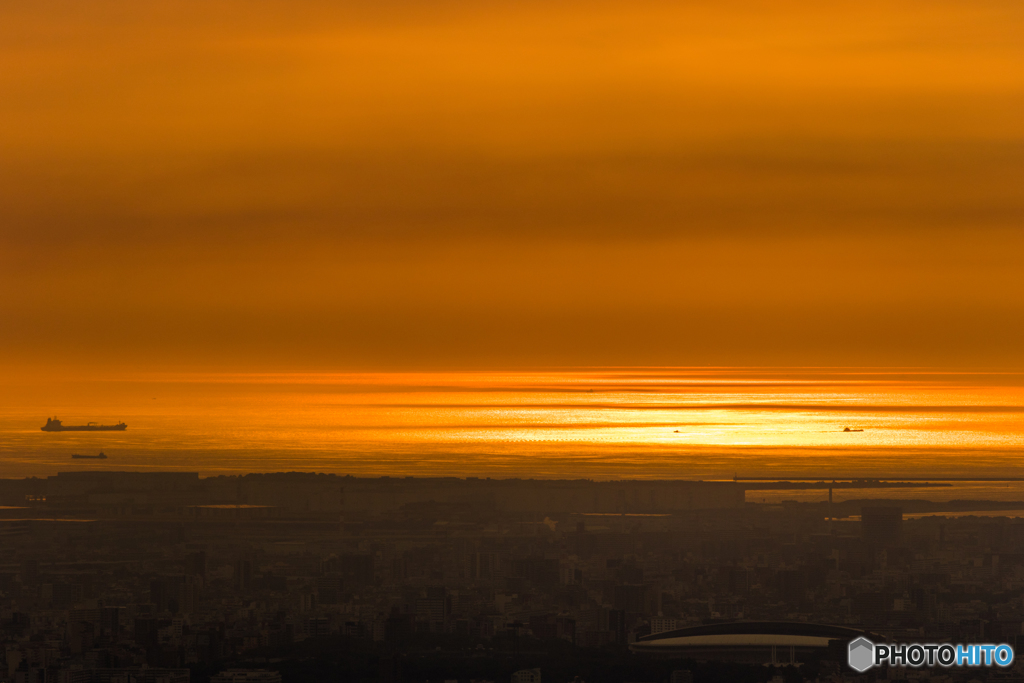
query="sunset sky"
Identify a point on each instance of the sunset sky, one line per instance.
(272, 185)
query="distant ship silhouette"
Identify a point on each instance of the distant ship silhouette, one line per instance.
(54, 425)
(852, 430)
(101, 456)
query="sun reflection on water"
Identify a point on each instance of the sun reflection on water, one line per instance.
(599, 423)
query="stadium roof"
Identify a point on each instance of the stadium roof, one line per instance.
(745, 635)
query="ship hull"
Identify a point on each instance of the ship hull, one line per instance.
(87, 428)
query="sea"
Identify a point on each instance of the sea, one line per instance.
(564, 423)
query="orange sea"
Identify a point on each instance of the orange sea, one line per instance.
(598, 423)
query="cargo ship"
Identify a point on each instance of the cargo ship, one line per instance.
(101, 456)
(54, 425)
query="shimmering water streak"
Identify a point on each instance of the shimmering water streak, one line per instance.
(699, 423)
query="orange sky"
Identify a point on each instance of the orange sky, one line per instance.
(353, 185)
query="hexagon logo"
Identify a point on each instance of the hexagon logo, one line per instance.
(861, 655)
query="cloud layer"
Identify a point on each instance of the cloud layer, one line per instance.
(353, 185)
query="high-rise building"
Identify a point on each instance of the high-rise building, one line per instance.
(526, 676)
(195, 564)
(662, 625)
(357, 569)
(882, 525)
(243, 575)
(247, 676)
(480, 566)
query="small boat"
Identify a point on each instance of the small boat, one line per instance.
(101, 456)
(852, 430)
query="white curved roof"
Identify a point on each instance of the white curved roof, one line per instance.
(738, 640)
